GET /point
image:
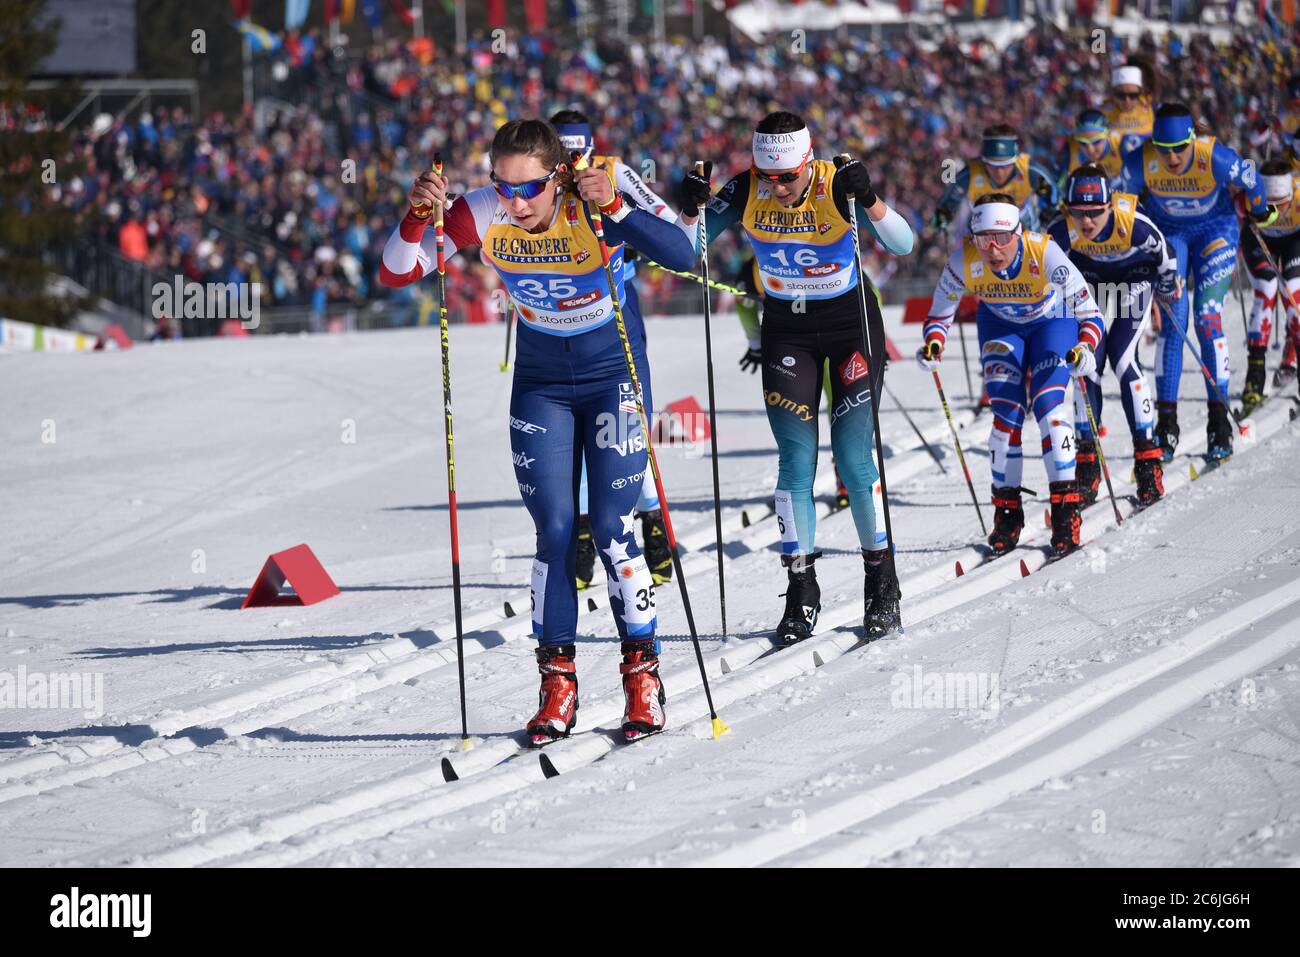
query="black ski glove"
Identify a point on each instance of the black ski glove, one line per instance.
(694, 190)
(751, 360)
(856, 181)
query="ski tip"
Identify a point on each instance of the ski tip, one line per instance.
(1132, 476)
(719, 728)
(1191, 472)
(1024, 569)
(818, 660)
(465, 744)
(449, 772)
(1047, 517)
(725, 666)
(960, 571)
(744, 520)
(591, 604)
(509, 609)
(549, 770)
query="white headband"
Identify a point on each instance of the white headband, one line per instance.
(1280, 188)
(994, 218)
(1126, 76)
(782, 150)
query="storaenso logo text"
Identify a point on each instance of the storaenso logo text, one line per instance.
(103, 910)
(208, 300)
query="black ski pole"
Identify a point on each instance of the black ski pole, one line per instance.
(713, 406)
(871, 361)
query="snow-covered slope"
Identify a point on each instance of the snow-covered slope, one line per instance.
(1135, 703)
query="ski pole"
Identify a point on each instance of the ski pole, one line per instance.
(711, 283)
(1242, 427)
(1237, 272)
(1284, 292)
(965, 357)
(451, 450)
(1082, 384)
(943, 400)
(912, 422)
(510, 327)
(597, 223)
(713, 418)
(871, 360)
(961, 334)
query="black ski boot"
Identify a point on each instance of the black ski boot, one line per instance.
(1253, 394)
(803, 599)
(1167, 429)
(1218, 433)
(586, 567)
(1148, 471)
(654, 539)
(1008, 520)
(1066, 521)
(1086, 470)
(881, 594)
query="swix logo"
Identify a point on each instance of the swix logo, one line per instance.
(571, 212)
(577, 302)
(1033, 268)
(821, 269)
(853, 368)
(1004, 223)
(526, 427)
(1200, 163)
(821, 189)
(523, 461)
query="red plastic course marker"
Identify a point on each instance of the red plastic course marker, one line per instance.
(300, 568)
(960, 570)
(681, 421)
(1024, 569)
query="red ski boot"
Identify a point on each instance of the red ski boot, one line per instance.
(642, 690)
(558, 698)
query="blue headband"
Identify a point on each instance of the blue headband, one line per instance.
(1092, 121)
(999, 150)
(1173, 130)
(1087, 191)
(576, 137)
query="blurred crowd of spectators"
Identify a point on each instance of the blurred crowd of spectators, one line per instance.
(304, 200)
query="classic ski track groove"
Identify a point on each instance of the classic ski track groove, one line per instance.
(1060, 719)
(380, 665)
(515, 770)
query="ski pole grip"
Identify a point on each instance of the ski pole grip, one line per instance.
(424, 210)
